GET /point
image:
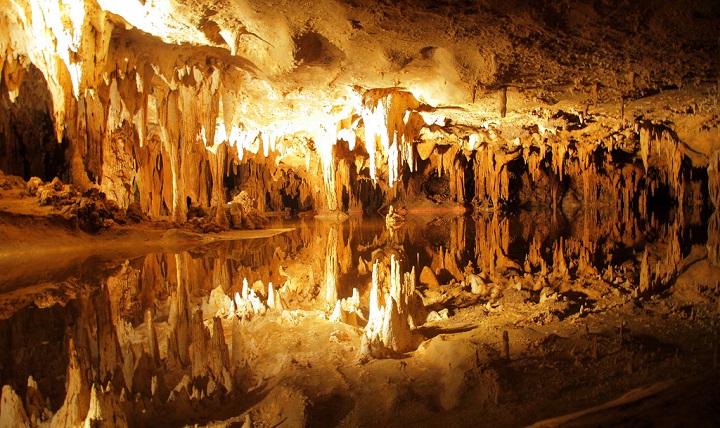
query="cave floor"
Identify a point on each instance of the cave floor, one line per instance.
(589, 345)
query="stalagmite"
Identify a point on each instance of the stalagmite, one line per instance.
(347, 310)
(337, 314)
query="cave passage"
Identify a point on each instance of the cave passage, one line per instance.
(266, 213)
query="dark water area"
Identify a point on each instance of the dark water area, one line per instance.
(50, 316)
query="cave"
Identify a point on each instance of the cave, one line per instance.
(359, 213)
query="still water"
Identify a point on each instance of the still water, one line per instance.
(131, 322)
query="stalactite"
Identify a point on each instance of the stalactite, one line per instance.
(491, 175)
(391, 125)
(668, 151)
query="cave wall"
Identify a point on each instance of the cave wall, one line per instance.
(173, 113)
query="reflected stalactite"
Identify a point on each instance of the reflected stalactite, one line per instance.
(237, 114)
(393, 313)
(713, 244)
(179, 315)
(331, 270)
(109, 352)
(492, 240)
(77, 399)
(196, 337)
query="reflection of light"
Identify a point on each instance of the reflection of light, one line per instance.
(156, 17)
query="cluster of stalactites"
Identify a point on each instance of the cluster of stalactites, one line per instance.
(57, 42)
(391, 124)
(491, 174)
(667, 149)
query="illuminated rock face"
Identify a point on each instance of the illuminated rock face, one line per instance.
(171, 105)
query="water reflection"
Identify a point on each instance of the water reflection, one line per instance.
(145, 340)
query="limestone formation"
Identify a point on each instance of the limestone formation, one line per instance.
(533, 166)
(394, 312)
(12, 412)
